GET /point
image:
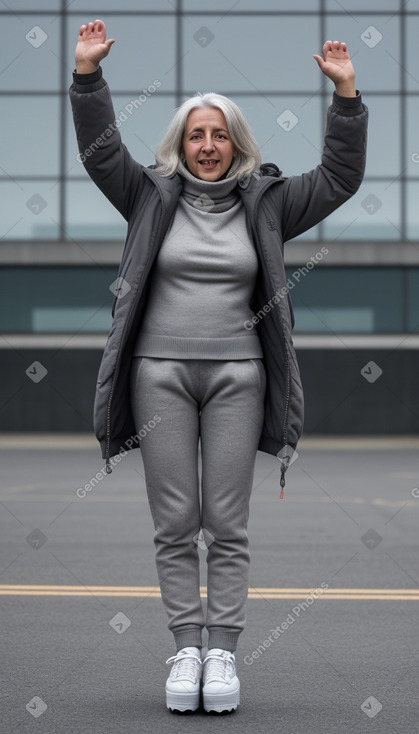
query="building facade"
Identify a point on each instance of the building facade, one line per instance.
(354, 279)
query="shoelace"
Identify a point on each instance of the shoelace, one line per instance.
(220, 665)
(184, 666)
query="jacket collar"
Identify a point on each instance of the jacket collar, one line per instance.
(168, 187)
(249, 187)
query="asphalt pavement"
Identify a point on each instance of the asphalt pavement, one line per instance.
(330, 643)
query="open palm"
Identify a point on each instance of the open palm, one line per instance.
(92, 45)
(336, 62)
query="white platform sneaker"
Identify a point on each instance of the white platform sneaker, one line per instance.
(184, 682)
(221, 686)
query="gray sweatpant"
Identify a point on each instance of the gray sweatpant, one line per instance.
(222, 404)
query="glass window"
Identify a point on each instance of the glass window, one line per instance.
(14, 5)
(244, 56)
(226, 54)
(326, 299)
(104, 5)
(90, 215)
(347, 300)
(297, 5)
(412, 137)
(142, 131)
(30, 53)
(383, 146)
(311, 235)
(75, 319)
(373, 213)
(411, 6)
(374, 45)
(144, 50)
(287, 129)
(413, 211)
(412, 276)
(412, 55)
(31, 145)
(350, 6)
(56, 299)
(29, 210)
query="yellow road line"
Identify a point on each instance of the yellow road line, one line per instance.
(254, 592)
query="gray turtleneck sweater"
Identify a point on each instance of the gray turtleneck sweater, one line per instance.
(203, 279)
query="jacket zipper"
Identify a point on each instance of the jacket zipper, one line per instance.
(108, 467)
(286, 458)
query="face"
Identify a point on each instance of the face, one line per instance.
(206, 139)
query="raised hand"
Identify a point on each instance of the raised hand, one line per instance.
(337, 65)
(92, 47)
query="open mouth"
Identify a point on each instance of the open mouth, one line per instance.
(209, 164)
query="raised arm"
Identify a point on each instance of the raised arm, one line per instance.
(104, 156)
(309, 198)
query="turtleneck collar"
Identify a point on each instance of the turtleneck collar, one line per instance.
(223, 193)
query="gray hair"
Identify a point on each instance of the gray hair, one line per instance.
(246, 150)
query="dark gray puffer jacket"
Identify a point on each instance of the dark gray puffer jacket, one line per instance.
(277, 209)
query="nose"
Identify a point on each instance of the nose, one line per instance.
(208, 143)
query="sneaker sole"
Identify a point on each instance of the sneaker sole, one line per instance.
(221, 701)
(182, 701)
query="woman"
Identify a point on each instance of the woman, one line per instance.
(200, 346)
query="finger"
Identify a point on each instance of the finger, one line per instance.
(327, 47)
(319, 60)
(342, 51)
